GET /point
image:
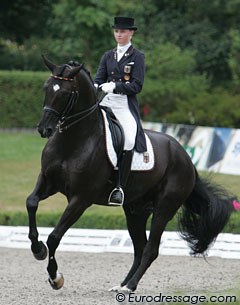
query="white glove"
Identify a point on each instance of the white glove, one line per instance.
(108, 87)
(95, 85)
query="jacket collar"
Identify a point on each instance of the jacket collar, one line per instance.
(127, 53)
(123, 49)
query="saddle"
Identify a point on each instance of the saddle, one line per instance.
(116, 130)
(115, 139)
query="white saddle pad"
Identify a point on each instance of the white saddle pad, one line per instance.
(138, 163)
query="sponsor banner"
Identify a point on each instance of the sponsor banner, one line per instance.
(230, 163)
(210, 148)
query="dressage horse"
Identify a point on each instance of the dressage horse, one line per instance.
(74, 163)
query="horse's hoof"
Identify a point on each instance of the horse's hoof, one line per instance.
(58, 282)
(126, 289)
(115, 288)
(120, 288)
(42, 254)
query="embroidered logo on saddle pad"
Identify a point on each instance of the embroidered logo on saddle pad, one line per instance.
(140, 162)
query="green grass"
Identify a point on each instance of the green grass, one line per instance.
(20, 154)
(19, 168)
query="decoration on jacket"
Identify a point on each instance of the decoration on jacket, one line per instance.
(127, 70)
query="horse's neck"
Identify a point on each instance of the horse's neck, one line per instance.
(87, 91)
(86, 133)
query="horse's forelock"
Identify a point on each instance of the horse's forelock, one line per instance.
(60, 70)
(66, 71)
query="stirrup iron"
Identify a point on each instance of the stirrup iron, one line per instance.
(116, 203)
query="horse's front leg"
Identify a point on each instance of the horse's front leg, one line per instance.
(42, 191)
(71, 214)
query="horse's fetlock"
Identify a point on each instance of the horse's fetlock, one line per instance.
(33, 236)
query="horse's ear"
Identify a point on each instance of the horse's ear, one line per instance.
(74, 71)
(51, 66)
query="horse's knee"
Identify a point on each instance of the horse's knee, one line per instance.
(32, 203)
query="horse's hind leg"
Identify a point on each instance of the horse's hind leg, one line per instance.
(136, 223)
(42, 191)
(165, 208)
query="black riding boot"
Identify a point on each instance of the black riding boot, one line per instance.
(124, 167)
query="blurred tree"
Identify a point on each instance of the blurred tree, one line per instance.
(202, 26)
(234, 59)
(217, 108)
(80, 30)
(192, 48)
(21, 19)
(171, 77)
(83, 28)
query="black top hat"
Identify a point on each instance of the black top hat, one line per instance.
(124, 23)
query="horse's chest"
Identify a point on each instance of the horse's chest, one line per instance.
(54, 168)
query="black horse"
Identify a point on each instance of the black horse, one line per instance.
(74, 162)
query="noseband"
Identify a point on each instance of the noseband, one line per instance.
(66, 121)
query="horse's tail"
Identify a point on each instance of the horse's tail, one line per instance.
(204, 215)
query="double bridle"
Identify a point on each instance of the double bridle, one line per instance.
(63, 117)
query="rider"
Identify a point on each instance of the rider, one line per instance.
(120, 75)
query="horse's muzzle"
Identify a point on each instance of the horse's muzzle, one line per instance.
(47, 124)
(45, 132)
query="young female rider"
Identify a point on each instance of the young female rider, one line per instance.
(120, 75)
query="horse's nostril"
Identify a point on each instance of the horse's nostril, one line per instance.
(48, 132)
(45, 132)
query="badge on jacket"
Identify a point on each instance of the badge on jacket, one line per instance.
(127, 70)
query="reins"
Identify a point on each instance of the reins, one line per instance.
(66, 121)
(76, 118)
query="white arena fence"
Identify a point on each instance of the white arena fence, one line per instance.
(91, 240)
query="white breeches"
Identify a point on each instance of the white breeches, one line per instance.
(119, 105)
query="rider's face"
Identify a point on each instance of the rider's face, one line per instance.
(123, 36)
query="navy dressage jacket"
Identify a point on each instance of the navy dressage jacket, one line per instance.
(128, 75)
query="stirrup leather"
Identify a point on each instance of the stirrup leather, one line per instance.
(116, 203)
